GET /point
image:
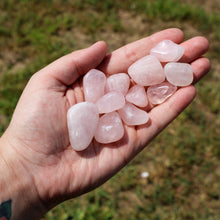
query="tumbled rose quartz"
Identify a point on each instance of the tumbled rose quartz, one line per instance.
(110, 128)
(137, 96)
(167, 51)
(110, 102)
(94, 85)
(82, 121)
(119, 82)
(157, 94)
(147, 71)
(179, 74)
(131, 115)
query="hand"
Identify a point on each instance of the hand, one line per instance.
(37, 137)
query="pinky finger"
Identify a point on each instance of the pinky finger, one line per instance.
(200, 67)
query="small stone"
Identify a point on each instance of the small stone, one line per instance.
(137, 95)
(147, 71)
(94, 85)
(109, 129)
(131, 115)
(119, 82)
(167, 51)
(157, 94)
(179, 74)
(82, 121)
(110, 102)
(145, 174)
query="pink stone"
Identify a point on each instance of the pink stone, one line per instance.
(82, 121)
(119, 82)
(167, 51)
(131, 115)
(137, 95)
(110, 102)
(147, 71)
(157, 94)
(93, 85)
(179, 74)
(109, 129)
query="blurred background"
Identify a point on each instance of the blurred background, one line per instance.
(182, 162)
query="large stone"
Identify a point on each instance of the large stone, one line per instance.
(179, 74)
(94, 85)
(147, 71)
(157, 94)
(82, 121)
(109, 129)
(167, 51)
(110, 102)
(137, 95)
(119, 82)
(131, 115)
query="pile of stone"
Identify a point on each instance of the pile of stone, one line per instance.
(121, 98)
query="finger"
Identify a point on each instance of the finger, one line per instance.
(194, 48)
(119, 60)
(200, 67)
(68, 68)
(164, 114)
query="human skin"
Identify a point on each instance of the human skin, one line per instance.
(39, 169)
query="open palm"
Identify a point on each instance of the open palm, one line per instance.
(38, 130)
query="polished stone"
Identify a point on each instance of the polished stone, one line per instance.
(131, 115)
(147, 71)
(119, 82)
(137, 95)
(82, 121)
(167, 51)
(94, 85)
(110, 102)
(157, 94)
(109, 129)
(179, 74)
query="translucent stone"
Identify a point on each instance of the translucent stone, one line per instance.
(109, 129)
(167, 51)
(147, 71)
(94, 85)
(82, 121)
(157, 94)
(179, 74)
(137, 95)
(110, 102)
(119, 82)
(131, 115)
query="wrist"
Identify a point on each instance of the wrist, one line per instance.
(17, 185)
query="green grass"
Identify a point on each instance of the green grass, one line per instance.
(183, 161)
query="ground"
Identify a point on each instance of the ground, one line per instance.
(183, 162)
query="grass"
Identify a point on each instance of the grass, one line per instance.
(183, 161)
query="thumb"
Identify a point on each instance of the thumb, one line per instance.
(68, 68)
